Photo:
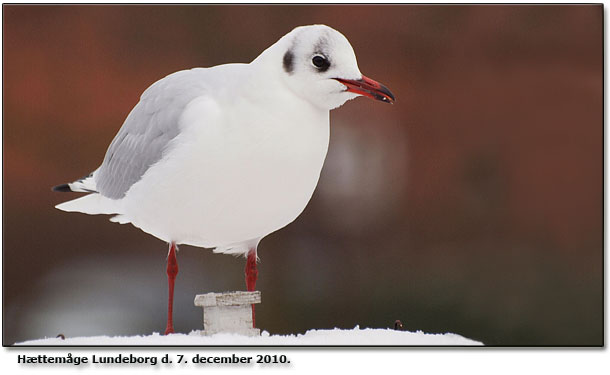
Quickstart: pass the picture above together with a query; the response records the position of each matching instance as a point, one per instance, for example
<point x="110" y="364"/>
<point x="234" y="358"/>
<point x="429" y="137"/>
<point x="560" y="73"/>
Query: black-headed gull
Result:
<point x="220" y="157"/>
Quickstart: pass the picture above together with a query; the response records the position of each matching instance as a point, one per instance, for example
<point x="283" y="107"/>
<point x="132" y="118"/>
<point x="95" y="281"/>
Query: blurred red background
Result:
<point x="473" y="205"/>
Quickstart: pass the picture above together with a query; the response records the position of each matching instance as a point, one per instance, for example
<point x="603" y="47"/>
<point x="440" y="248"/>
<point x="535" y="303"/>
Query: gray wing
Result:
<point x="147" y="131"/>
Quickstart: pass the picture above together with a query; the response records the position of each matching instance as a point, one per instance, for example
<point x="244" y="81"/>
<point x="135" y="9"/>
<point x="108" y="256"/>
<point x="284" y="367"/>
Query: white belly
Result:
<point x="226" y="181"/>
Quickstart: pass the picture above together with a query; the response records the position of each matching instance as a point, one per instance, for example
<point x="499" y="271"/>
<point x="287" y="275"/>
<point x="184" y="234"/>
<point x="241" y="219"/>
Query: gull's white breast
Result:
<point x="242" y="167"/>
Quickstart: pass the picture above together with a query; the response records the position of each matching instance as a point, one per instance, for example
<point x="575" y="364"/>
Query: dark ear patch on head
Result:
<point x="288" y="62"/>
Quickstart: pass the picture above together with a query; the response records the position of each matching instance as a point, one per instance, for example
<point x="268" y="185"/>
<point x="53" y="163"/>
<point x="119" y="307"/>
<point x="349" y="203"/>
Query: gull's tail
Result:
<point x="93" y="203"/>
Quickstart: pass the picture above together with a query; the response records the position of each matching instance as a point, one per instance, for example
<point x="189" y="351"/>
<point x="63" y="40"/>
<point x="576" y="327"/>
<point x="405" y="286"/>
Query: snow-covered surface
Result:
<point x="356" y="336"/>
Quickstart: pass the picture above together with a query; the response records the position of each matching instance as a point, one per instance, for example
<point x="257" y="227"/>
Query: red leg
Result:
<point x="172" y="271"/>
<point x="251" y="276"/>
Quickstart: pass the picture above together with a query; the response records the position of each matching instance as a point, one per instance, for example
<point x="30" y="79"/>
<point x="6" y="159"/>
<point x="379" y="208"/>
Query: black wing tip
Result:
<point x="63" y="188"/>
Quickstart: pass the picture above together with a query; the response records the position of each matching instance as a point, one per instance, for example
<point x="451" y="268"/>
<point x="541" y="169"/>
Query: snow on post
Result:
<point x="229" y="312"/>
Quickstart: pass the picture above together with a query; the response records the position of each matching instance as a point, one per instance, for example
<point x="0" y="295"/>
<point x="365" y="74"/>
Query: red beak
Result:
<point x="368" y="87"/>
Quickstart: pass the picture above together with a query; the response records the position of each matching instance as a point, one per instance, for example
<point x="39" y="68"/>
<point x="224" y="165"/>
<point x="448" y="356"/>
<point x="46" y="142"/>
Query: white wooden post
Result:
<point x="228" y="312"/>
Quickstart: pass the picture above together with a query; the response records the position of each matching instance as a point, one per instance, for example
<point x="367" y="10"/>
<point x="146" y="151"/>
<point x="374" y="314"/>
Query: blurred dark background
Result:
<point x="473" y="205"/>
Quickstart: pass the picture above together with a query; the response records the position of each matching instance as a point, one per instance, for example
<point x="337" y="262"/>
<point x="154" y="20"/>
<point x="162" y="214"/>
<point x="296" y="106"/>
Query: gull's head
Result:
<point x="318" y="64"/>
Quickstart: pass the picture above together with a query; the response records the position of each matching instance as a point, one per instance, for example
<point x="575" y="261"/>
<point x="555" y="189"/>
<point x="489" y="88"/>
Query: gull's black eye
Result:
<point x="320" y="62"/>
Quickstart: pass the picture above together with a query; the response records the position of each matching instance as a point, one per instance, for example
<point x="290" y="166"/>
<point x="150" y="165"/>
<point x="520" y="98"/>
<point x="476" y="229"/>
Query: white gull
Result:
<point x="220" y="157"/>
